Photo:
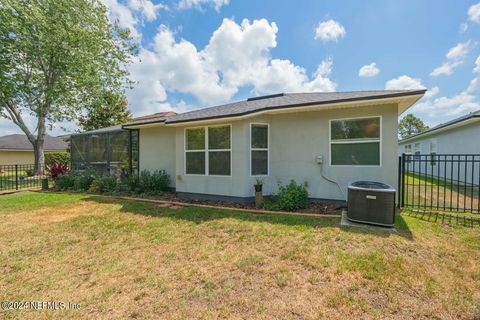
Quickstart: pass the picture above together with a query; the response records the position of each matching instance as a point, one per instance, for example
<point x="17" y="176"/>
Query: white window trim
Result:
<point x="259" y="149"/>
<point x="379" y="140"/>
<point x="206" y="151"/>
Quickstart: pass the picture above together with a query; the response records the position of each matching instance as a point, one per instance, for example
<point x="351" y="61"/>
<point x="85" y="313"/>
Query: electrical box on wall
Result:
<point x="319" y="159"/>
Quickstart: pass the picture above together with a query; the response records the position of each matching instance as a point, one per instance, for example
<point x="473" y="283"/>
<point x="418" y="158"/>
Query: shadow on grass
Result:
<point x="200" y="215"/>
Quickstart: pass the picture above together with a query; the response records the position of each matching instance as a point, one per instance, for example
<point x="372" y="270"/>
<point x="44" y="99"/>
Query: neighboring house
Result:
<point x="312" y="138"/>
<point x="458" y="136"/>
<point x="16" y="149"/>
<point x="454" y="143"/>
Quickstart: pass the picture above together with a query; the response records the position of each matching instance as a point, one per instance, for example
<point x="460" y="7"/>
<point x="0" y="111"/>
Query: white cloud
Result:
<point x="474" y="13"/>
<point x="459" y="104"/>
<point x="130" y="14"/>
<point x="237" y="55"/>
<point x="463" y="27"/>
<point x="431" y="92"/>
<point x="456" y="105"/>
<point x="477" y="65"/>
<point x="459" y="51"/>
<point x="123" y="15"/>
<point x="369" y="70"/>
<point x="147" y="8"/>
<point x="455" y="57"/>
<point x="474" y="85"/>
<point x="329" y="30"/>
<point x="404" y="83"/>
<point x="200" y="4"/>
<point x="446" y="68"/>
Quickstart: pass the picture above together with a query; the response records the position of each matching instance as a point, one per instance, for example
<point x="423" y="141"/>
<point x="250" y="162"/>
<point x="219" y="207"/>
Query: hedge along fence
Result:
<point x="148" y="183"/>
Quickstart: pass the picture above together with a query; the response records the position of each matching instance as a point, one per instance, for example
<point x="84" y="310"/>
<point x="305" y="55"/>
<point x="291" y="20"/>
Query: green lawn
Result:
<point x="128" y="259"/>
<point x="423" y="190"/>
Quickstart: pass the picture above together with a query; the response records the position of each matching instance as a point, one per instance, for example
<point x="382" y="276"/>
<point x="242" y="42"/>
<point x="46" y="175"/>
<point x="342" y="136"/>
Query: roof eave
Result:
<point x="403" y="102"/>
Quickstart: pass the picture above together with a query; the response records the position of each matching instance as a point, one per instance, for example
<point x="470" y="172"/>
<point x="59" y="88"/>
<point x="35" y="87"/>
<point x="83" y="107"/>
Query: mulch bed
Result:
<point x="313" y="207"/>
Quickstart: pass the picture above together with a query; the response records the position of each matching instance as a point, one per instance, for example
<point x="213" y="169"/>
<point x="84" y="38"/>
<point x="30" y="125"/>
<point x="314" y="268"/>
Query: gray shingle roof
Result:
<point x="20" y="142"/>
<point x="475" y="114"/>
<point x="287" y="100"/>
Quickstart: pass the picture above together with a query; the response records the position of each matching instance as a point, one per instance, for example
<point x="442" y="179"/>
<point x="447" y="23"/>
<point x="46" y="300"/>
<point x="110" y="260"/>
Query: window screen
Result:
<point x="355" y="141"/>
<point x="208" y="150"/>
<point x="259" y="149"/>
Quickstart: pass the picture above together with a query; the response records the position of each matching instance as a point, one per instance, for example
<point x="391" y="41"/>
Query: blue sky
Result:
<point x="198" y="53"/>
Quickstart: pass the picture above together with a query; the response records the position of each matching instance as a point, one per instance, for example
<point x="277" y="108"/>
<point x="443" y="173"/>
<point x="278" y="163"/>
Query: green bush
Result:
<point x="30" y="172"/>
<point x="150" y="183"/>
<point x="65" y="182"/>
<point x="57" y="157"/>
<point x="104" y="184"/>
<point x="83" y="181"/>
<point x="289" y="198"/>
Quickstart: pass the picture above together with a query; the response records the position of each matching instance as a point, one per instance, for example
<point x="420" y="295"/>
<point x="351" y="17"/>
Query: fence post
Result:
<point x="16" y="177"/>
<point x="403" y="180"/>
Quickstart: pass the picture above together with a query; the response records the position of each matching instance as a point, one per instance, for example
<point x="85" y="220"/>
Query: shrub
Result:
<point x="289" y="198"/>
<point x="104" y="184"/>
<point x="57" y="157"/>
<point x="57" y="170"/>
<point x="65" y="182"/>
<point x="150" y="183"/>
<point x="83" y="181"/>
<point x="30" y="172"/>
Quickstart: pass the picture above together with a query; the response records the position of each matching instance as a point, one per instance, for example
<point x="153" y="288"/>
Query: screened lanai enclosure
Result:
<point x="111" y="150"/>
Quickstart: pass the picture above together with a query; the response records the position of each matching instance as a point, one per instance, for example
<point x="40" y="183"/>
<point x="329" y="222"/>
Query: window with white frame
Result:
<point x="258" y="149"/>
<point x="355" y="141"/>
<point x="433" y="152"/>
<point x="408" y="149"/>
<point x="208" y="150"/>
<point x="418" y="150"/>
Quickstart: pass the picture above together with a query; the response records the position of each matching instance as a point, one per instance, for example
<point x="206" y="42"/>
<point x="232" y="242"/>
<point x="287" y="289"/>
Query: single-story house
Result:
<point x="322" y="140"/>
<point x="449" y="151"/>
<point x="458" y="136"/>
<point x="16" y="149"/>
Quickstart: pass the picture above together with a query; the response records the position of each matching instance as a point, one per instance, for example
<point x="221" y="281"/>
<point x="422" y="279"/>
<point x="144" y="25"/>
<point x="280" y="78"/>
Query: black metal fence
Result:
<point x="21" y="176"/>
<point x="443" y="182"/>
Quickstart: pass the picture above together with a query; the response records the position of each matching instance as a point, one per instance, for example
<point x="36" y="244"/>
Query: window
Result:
<point x="408" y="149"/>
<point x="417" y="151"/>
<point x="259" y="149"/>
<point x="355" y="141"/>
<point x="433" y="152"/>
<point x="208" y="149"/>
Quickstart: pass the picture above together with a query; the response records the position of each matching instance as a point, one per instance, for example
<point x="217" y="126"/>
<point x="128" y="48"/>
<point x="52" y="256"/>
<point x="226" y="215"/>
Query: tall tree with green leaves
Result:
<point x="56" y="58"/>
<point x="410" y="125"/>
<point x="111" y="110"/>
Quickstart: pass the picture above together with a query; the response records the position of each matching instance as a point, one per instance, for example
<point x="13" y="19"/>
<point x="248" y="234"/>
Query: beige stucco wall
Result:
<point x="16" y="157"/>
<point x="157" y="150"/>
<point x="295" y="141"/>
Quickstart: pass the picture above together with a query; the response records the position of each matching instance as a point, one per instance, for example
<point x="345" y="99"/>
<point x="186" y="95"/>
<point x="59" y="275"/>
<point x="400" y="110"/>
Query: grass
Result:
<point x="423" y="190"/>
<point x="7" y="181"/>
<point x="128" y="259"/>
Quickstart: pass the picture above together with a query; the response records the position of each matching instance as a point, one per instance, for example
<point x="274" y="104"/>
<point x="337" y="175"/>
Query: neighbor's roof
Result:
<point x="447" y="125"/>
<point x="279" y="101"/>
<point x="20" y="142"/>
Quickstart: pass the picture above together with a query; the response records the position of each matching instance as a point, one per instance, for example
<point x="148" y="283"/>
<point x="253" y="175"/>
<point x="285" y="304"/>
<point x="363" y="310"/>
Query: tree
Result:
<point x="109" y="111"/>
<point x="56" y="57"/>
<point x="410" y="125"/>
